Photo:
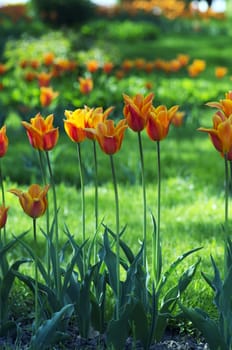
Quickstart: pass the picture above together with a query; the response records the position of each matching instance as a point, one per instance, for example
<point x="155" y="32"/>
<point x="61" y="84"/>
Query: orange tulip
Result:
<point x="33" y="202"/>
<point x="95" y="116"/>
<point x="44" y="78"/>
<point x="47" y="95"/>
<point x="221" y="134"/>
<point x="136" y="110"/>
<point x="3" y="141"/>
<point x="41" y="132"/>
<point x="220" y="72"/>
<point x="3" y="68"/>
<point x="92" y="66"/>
<point x="48" y="58"/>
<point x="158" y="122"/>
<point x="75" y="123"/>
<point x="86" y="85"/>
<point x="224" y="105"/>
<point x="3" y="215"/>
<point x="110" y="136"/>
<point x="178" y="118"/>
<point x="107" y="67"/>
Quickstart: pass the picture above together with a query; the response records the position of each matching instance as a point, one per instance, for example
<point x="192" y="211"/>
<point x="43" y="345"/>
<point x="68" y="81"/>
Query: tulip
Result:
<point x="41" y="133"/>
<point x="159" y="121"/>
<point x="178" y="118"/>
<point x="224" y="105"/>
<point x="48" y="58"/>
<point x="33" y="202"/>
<point x="220" y="72"/>
<point x="47" y="95"/>
<point x="110" y="136"/>
<point x="92" y="66"/>
<point x="3" y="215"/>
<point x="93" y="118"/>
<point x="86" y="85"/>
<point x="3" y="141"/>
<point x="74" y="125"/>
<point x="44" y="78"/>
<point x="107" y="67"/>
<point x="221" y="134"/>
<point x="136" y="110"/>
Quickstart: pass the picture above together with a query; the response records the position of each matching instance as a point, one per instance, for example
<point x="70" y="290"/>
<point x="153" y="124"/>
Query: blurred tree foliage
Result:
<point x="64" y="12"/>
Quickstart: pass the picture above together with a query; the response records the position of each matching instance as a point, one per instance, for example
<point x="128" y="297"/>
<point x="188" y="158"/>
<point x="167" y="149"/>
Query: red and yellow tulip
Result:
<point x="75" y="123"/>
<point x="110" y="136"/>
<point x="136" y="110"/>
<point x="34" y="202"/>
<point x="47" y="95"/>
<point x="41" y="133"/>
<point x="158" y="122"/>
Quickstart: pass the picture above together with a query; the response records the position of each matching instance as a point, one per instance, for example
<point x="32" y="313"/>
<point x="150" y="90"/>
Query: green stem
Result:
<point x="82" y="199"/>
<point x="156" y="254"/>
<point x="36" y="280"/>
<point x="43" y="174"/>
<point x="96" y="192"/>
<point x="3" y="199"/>
<point x="144" y="200"/>
<point x="57" y="267"/>
<point x="117" y="235"/>
<point x="226" y="191"/>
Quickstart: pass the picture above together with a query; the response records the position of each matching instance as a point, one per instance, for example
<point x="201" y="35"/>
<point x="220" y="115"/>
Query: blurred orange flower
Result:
<point x="48" y="58"/>
<point x="41" y="133"/>
<point x="196" y="67"/>
<point x="220" y="72"/>
<point x="159" y="120"/>
<point x="92" y="66"/>
<point x="44" y="78"/>
<point x="3" y="68"/>
<point x="86" y="85"/>
<point x="136" y="110"/>
<point x="30" y="76"/>
<point x="33" y="202"/>
<point x="47" y="95"/>
<point x="178" y="118"/>
<point x="3" y="141"/>
<point x="107" y="67"/>
<point x="3" y="215"/>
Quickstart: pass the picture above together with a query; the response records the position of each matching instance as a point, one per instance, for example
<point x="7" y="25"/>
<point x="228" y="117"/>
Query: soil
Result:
<point x="97" y="342"/>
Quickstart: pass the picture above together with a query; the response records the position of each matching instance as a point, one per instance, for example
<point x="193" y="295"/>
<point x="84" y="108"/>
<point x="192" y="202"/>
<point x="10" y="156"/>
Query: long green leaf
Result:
<point x="10" y="244"/>
<point x="207" y="326"/>
<point x="47" y="332"/>
<point x="173" y="267"/>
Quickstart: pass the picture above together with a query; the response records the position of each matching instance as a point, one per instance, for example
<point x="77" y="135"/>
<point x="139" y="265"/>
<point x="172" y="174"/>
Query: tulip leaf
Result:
<point x="207" y="326"/>
<point x="126" y="249"/>
<point x="110" y="260"/>
<point x="173" y="267"/>
<point x="47" y="333"/>
<point x="10" y="244"/>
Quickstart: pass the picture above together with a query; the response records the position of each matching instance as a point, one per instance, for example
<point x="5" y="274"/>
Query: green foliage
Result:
<point x="120" y="30"/>
<point x="216" y="332"/>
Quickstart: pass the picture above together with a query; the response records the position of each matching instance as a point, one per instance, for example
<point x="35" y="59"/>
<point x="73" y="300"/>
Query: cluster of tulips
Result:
<point x="43" y="76"/>
<point x="73" y="284"/>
